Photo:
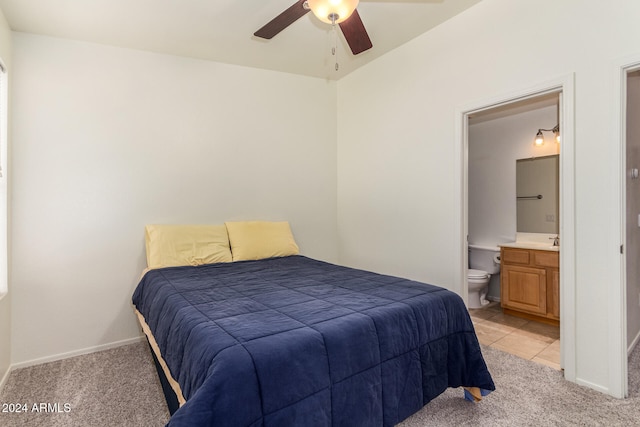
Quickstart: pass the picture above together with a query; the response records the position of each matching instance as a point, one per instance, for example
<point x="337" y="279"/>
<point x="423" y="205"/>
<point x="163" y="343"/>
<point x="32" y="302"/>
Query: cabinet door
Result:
<point x="524" y="288"/>
<point x="554" y="294"/>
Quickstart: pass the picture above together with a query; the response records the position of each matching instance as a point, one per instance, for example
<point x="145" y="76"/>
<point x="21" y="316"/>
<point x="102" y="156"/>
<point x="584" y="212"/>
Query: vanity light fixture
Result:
<point x="539" y="141"/>
<point x="556" y="131"/>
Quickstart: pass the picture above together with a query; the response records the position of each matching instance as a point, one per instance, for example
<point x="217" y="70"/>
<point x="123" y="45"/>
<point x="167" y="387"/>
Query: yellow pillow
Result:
<point x="260" y="239"/>
<point x="176" y="245"/>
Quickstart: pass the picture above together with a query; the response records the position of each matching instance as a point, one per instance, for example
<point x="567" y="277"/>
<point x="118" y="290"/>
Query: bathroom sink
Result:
<point x="539" y="241"/>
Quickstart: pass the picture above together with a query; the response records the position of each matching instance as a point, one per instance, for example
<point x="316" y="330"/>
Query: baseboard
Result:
<point x="492" y="298"/>
<point x="592" y="386"/>
<point x="88" y="350"/>
<point x="633" y="344"/>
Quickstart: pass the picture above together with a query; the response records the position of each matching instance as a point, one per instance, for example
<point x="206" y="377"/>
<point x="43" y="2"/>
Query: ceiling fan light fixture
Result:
<point x="332" y="11"/>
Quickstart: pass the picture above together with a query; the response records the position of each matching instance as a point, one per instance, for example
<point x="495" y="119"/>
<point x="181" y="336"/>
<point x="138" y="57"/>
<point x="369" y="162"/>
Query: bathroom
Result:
<point x="500" y="138"/>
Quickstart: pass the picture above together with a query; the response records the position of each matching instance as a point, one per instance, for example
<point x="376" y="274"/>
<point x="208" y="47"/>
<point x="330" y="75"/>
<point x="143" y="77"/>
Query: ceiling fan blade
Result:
<point x="355" y="34"/>
<point x="282" y="21"/>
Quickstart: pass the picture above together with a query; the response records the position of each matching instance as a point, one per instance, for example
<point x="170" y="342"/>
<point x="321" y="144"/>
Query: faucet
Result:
<point x="556" y="240"/>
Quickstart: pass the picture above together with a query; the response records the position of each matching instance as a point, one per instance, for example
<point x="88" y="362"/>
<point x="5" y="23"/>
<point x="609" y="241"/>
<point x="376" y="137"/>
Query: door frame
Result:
<point x="564" y="86"/>
<point x="618" y="298"/>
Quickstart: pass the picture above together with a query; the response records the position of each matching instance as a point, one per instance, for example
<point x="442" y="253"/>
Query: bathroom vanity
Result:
<point x="530" y="281"/>
<point x="530" y="266"/>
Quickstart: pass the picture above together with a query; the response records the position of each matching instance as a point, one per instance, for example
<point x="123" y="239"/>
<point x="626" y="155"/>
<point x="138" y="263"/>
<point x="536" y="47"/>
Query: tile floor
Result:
<point x="528" y="339"/>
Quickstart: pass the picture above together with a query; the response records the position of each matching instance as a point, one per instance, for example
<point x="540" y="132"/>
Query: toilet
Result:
<point x="483" y="262"/>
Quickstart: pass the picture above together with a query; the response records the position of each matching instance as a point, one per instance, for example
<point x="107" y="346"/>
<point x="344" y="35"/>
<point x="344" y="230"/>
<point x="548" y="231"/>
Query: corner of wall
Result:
<point x="5" y="300"/>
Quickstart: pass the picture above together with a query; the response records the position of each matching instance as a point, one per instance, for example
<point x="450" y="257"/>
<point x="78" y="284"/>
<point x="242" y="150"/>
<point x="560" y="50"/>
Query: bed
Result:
<point x="289" y="340"/>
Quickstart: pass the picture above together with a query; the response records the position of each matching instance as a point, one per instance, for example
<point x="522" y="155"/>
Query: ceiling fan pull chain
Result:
<point x="334" y="49"/>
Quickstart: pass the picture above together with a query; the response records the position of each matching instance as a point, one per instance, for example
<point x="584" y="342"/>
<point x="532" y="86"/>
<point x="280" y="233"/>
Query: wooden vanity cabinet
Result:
<point x="530" y="284"/>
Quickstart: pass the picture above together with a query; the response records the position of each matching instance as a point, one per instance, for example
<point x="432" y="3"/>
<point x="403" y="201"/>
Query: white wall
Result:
<point x="5" y="301"/>
<point x="397" y="203"/>
<point x="107" y="140"/>
<point x="494" y="147"/>
<point x="633" y="209"/>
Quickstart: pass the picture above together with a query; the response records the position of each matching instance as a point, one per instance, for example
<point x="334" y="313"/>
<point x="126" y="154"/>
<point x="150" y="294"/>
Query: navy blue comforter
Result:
<point x="295" y="341"/>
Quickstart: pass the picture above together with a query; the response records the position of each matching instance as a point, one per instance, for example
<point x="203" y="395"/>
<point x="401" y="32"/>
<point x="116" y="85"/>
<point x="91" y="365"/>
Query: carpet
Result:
<point x="119" y="387"/>
<point x="530" y="394"/>
<point x="116" y="387"/>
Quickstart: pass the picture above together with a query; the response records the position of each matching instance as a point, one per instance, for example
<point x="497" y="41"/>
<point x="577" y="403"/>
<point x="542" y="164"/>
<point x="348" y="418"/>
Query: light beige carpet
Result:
<point x="530" y="394"/>
<point x="119" y="387"/>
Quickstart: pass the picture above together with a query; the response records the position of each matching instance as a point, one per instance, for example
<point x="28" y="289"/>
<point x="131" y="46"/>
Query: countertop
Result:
<point x="531" y="245"/>
<point x="537" y="241"/>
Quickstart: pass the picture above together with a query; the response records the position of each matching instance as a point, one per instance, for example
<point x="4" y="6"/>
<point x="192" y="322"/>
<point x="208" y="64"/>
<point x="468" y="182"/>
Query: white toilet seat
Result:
<point x="477" y="274"/>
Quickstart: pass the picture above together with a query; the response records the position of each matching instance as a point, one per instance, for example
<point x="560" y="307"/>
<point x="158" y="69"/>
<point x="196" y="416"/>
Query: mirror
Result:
<point x="537" y="194"/>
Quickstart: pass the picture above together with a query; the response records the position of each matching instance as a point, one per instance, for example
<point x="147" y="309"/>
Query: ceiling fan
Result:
<point x="341" y="12"/>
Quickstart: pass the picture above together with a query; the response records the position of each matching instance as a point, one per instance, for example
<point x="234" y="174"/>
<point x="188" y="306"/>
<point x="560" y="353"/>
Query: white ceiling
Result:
<point x="222" y="30"/>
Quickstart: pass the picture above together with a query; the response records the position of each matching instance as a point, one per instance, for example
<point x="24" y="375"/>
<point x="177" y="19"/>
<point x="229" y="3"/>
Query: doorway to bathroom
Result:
<point x="494" y="136"/>
<point x="513" y="196"/>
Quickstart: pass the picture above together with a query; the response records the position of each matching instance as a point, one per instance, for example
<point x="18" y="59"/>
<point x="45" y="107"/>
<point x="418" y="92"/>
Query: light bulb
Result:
<point x="332" y="11"/>
<point x="539" y="138"/>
